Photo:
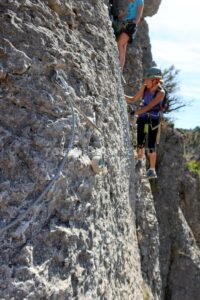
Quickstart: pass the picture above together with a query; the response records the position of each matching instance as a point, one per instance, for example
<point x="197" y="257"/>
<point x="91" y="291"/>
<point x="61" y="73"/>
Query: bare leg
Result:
<point x="152" y="160"/>
<point x="122" y="44"/>
<point x="140" y="153"/>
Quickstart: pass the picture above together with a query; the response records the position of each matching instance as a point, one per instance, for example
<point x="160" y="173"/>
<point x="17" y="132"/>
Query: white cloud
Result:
<point x="191" y="92"/>
<point x="177" y="15"/>
<point x="170" y="50"/>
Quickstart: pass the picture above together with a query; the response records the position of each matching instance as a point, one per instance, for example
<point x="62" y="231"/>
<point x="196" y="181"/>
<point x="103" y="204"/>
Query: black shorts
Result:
<point x="130" y="29"/>
<point x="147" y="129"/>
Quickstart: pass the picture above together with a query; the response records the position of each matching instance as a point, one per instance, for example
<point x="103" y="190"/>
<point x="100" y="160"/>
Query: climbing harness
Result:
<point x="148" y="125"/>
<point x="159" y="133"/>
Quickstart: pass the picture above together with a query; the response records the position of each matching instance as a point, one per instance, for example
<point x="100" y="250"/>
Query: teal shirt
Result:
<point x="132" y="10"/>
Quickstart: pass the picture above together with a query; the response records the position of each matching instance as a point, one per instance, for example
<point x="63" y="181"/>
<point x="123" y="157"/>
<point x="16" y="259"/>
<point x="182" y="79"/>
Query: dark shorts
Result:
<point x="147" y="130"/>
<point x="129" y="28"/>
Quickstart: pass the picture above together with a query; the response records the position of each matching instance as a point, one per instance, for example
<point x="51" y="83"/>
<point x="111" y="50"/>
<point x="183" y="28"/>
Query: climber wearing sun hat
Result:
<point x="148" y="120"/>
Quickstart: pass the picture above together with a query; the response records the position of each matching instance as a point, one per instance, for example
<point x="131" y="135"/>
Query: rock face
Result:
<point x="151" y="7"/>
<point x="189" y="195"/>
<point x="76" y="221"/>
<point x="190" y="202"/>
<point x="179" y="252"/>
<point x="168" y="224"/>
<point x="66" y="231"/>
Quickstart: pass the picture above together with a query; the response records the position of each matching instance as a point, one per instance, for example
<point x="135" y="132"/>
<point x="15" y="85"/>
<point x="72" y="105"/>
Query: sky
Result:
<point x="175" y="40"/>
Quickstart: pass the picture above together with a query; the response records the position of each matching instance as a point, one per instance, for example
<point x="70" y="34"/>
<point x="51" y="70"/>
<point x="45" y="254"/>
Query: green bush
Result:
<point x="194" y="166"/>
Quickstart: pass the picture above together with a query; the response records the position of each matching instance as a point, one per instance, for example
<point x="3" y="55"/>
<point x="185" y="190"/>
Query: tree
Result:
<point x="171" y="85"/>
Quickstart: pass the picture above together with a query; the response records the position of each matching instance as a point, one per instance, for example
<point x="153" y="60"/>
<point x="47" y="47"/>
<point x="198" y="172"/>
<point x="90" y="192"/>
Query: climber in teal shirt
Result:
<point x="129" y="19"/>
<point x="132" y="10"/>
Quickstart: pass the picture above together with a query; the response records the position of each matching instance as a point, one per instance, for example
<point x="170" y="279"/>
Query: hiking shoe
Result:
<point x="151" y="174"/>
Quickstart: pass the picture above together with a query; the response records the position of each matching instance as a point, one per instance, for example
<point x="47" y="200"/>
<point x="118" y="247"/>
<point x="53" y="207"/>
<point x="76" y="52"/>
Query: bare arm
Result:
<point x="139" y="15"/>
<point x="153" y="103"/>
<point x="138" y="95"/>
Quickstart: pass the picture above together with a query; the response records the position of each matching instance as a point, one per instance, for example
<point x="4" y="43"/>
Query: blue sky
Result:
<point x="175" y="40"/>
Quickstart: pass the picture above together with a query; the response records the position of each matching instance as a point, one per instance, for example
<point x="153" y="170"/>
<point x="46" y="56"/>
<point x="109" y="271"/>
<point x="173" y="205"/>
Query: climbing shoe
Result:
<point x="151" y="174"/>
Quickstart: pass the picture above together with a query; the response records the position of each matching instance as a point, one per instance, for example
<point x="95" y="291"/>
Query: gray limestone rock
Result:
<point x="67" y="232"/>
<point x="179" y="252"/>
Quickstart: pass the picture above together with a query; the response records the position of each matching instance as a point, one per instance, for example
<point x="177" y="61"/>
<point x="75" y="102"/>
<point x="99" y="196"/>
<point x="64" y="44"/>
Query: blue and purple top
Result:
<point x="155" y="111"/>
